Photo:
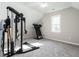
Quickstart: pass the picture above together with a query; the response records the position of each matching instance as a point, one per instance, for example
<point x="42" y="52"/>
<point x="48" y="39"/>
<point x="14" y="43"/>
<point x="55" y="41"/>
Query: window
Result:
<point x="55" y="23"/>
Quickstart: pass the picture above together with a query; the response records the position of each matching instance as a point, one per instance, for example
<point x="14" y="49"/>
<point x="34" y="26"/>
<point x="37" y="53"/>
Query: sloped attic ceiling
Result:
<point x="75" y="5"/>
<point x="35" y="6"/>
<point x="51" y="6"/>
<point x="29" y="13"/>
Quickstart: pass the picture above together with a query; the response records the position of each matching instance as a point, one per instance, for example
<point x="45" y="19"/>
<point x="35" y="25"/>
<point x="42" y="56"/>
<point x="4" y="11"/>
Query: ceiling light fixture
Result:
<point x="43" y="5"/>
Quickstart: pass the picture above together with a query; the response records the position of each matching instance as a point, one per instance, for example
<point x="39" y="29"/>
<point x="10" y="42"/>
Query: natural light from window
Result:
<point x="56" y="23"/>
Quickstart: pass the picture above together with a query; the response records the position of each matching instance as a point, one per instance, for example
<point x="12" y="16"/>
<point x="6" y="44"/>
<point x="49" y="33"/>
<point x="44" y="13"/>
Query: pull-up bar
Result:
<point x="13" y="10"/>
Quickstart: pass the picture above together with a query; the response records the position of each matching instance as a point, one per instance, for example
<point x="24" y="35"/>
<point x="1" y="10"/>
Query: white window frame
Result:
<point x="55" y="19"/>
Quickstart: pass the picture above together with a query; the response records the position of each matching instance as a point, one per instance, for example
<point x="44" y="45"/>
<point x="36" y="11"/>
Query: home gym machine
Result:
<point x="38" y="31"/>
<point x="10" y="34"/>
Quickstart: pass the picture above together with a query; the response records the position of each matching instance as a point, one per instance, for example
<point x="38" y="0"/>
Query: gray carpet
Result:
<point x="50" y="48"/>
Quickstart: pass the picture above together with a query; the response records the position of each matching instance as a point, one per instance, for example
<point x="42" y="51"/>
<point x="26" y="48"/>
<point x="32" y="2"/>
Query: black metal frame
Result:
<point x="19" y="18"/>
<point x="38" y="31"/>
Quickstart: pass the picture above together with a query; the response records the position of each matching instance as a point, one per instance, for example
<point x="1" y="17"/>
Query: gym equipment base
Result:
<point x="26" y="48"/>
<point x="38" y="38"/>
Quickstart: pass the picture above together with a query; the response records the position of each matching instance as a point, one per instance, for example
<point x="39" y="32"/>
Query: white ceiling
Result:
<point x="52" y="6"/>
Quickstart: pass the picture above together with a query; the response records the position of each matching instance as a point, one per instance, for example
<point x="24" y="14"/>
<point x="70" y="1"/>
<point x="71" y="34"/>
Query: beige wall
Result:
<point x="69" y="26"/>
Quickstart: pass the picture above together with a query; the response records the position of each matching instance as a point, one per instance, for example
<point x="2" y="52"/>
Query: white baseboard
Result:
<point x="76" y="44"/>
